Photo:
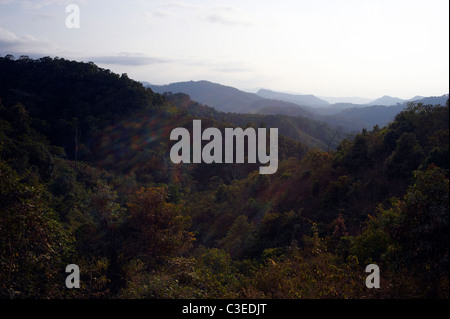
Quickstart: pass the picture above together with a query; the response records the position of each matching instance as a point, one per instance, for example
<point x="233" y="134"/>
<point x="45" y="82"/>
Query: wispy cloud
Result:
<point x="10" y="43"/>
<point x="159" y="13"/>
<point x="127" y="59"/>
<point x="38" y="4"/>
<point x="47" y="16"/>
<point x="226" y="15"/>
<point x="27" y="44"/>
<point x="170" y="6"/>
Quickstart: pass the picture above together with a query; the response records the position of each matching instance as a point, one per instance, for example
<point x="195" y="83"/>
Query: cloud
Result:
<point x="127" y="59"/>
<point x="27" y="44"/>
<point x="10" y="43"/>
<point x="7" y="36"/>
<point x="184" y="5"/>
<point x="38" y="4"/>
<point x="160" y="13"/>
<point x="47" y="16"/>
<point x="171" y="6"/>
<point x="170" y="9"/>
<point x="226" y="15"/>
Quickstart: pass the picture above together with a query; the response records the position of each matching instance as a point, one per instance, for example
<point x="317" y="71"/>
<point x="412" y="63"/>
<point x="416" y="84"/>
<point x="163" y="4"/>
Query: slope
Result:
<point x="300" y="99"/>
<point x="223" y="98"/>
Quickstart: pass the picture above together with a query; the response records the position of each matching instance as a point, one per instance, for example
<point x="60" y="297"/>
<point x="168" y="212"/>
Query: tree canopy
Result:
<point x="86" y="179"/>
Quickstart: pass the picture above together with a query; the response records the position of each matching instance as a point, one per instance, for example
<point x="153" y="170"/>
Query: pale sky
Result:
<point x="366" y="48"/>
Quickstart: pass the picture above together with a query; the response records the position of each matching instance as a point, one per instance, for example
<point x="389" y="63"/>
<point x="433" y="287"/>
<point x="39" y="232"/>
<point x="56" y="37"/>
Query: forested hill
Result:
<point x="223" y="98"/>
<point x="69" y="95"/>
<point x="310" y="132"/>
<point x="86" y="179"/>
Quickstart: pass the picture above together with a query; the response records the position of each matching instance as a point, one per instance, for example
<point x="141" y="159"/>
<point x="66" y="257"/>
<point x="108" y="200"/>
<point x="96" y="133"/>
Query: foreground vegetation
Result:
<point x="86" y="179"/>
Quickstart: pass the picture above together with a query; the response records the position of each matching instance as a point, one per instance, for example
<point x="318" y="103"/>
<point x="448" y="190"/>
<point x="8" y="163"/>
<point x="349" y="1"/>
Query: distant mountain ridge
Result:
<point x="350" y="116"/>
<point x="223" y="98"/>
<point x="300" y="99"/>
<point x="348" y="99"/>
<point x="433" y="100"/>
<point x="389" y="100"/>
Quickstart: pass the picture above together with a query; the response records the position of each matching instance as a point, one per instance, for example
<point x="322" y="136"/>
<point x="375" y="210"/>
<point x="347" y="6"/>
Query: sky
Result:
<point x="334" y="48"/>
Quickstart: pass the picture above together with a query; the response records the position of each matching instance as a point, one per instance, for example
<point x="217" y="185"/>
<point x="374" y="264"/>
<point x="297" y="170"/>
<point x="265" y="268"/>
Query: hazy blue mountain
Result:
<point x="433" y="100"/>
<point x="221" y="97"/>
<point x="300" y="99"/>
<point x="417" y="97"/>
<point x="356" y="100"/>
<point x="357" y="118"/>
<point x="350" y="116"/>
<point x="354" y="117"/>
<point x="225" y="98"/>
<point x="387" y="100"/>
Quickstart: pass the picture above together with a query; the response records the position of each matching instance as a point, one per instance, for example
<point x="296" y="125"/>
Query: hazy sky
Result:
<point x="365" y="48"/>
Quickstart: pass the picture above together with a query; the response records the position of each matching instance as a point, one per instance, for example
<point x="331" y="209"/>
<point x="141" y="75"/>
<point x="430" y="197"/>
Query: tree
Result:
<point x="407" y="156"/>
<point x="34" y="246"/>
<point x="422" y="232"/>
<point x="157" y="229"/>
<point x="412" y="236"/>
<point x="239" y="238"/>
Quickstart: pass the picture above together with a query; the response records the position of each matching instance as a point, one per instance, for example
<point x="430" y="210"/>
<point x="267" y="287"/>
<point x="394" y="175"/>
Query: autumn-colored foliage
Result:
<point x="86" y="179"/>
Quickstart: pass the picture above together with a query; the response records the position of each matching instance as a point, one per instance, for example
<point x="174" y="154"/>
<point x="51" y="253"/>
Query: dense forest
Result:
<point x="86" y="179"/>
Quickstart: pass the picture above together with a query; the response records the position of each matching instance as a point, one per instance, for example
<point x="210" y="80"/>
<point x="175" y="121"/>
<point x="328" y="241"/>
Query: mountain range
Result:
<point x="351" y="116"/>
<point x="300" y="99"/>
<point x="222" y="98"/>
